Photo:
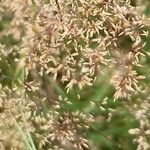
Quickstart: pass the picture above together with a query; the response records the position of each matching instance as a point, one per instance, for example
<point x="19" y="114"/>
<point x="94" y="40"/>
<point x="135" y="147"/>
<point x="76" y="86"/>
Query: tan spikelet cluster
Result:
<point x="59" y="46"/>
<point x="10" y="116"/>
<point x="142" y="132"/>
<point x="73" y="40"/>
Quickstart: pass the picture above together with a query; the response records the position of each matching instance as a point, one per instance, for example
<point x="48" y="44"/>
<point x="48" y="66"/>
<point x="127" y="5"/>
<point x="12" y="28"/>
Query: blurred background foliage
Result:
<point x="106" y="134"/>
